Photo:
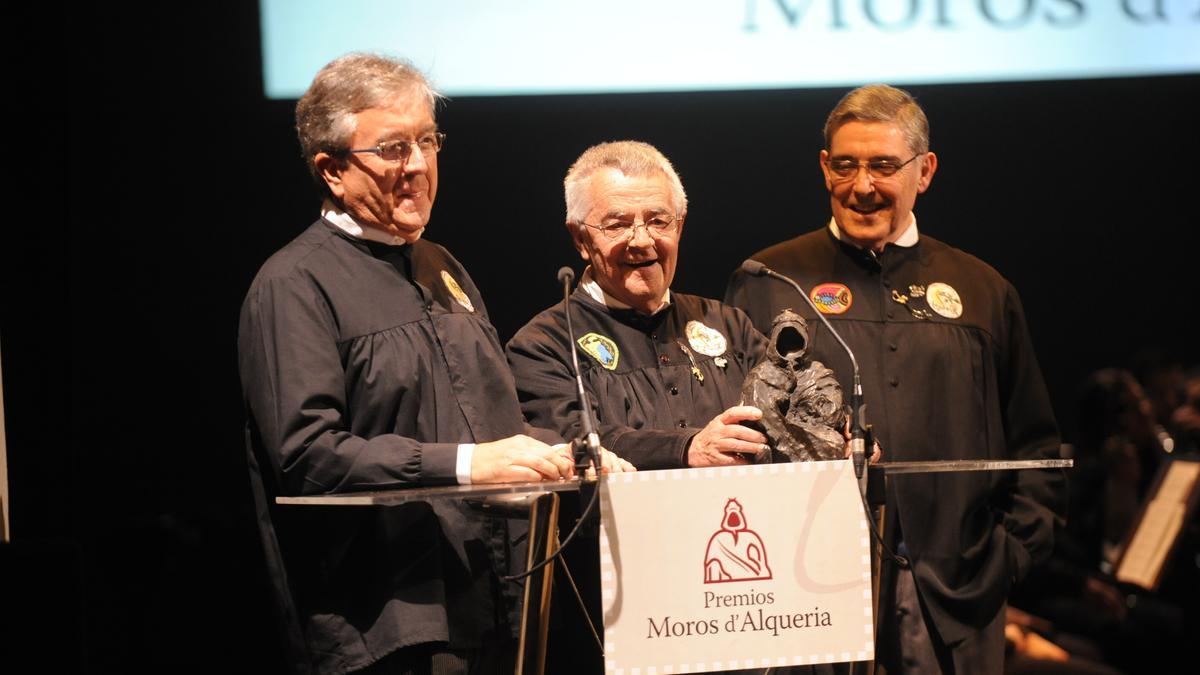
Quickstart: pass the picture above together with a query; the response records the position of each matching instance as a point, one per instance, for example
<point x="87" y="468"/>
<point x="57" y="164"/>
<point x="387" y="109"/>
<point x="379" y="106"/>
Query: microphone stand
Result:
<point x="586" y="447"/>
<point x="860" y="434"/>
<point x="860" y="431"/>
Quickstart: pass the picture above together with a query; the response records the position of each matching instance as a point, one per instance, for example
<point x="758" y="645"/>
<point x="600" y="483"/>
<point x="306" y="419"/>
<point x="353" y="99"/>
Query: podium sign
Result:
<point x="738" y="567"/>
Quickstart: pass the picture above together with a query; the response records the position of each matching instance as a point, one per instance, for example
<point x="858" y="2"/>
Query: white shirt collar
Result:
<point x="906" y="240"/>
<point x="346" y="223"/>
<point x="588" y="283"/>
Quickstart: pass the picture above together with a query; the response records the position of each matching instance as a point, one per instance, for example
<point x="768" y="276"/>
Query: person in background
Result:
<point x="1117" y="455"/>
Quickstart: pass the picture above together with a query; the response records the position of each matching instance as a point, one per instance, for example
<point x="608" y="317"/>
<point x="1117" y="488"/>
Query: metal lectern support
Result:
<point x="537" y="501"/>
<point x="535" y="611"/>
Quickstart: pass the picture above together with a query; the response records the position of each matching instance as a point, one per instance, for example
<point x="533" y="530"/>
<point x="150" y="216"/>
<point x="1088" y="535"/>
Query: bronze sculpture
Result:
<point x="803" y="416"/>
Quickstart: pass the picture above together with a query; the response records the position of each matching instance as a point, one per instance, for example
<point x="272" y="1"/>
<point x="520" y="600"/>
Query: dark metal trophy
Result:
<point x="803" y="416"/>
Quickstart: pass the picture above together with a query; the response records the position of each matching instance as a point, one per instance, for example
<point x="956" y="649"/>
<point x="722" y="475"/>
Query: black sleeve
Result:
<point x="293" y="382"/>
<point x="540" y="363"/>
<point x="1036" y="504"/>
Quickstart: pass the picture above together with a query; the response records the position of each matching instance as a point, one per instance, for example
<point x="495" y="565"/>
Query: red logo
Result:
<point x="735" y="552"/>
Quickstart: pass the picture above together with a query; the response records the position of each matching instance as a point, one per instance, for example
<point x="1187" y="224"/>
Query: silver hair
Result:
<point x="882" y="103"/>
<point x="325" y="114"/>
<point x="632" y="158"/>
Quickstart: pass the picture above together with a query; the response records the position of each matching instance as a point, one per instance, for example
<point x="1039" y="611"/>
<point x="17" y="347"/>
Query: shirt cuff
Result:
<point x="462" y="467"/>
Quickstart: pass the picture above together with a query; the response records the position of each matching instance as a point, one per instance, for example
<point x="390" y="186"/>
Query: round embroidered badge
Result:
<point x="602" y="349"/>
<point x="456" y="291"/>
<point x="707" y="341"/>
<point x="832" y="298"/>
<point x="944" y="300"/>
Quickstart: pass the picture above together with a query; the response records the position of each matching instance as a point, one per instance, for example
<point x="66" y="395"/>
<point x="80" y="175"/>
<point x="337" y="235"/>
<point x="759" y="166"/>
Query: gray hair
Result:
<point x="882" y="103"/>
<point x="632" y="158"/>
<point x="346" y="86"/>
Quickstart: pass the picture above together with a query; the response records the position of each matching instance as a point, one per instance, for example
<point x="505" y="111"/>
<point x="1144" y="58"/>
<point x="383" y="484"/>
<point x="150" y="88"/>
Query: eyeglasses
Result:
<point x="617" y="230"/>
<point x="877" y="169"/>
<point x="400" y="151"/>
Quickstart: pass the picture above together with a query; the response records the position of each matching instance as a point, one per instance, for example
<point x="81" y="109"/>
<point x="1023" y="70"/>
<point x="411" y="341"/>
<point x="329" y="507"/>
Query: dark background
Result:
<point x="157" y="179"/>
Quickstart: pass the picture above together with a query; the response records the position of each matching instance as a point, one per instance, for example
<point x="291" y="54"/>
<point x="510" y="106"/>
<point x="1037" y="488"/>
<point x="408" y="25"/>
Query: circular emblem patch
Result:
<point x="602" y="349"/>
<point x="707" y="341"/>
<point x="943" y="299"/>
<point x="832" y="298"/>
<point x="456" y="291"/>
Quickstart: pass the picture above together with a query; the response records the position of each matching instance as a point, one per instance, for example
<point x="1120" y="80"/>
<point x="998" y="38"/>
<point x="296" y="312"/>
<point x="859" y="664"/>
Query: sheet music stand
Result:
<point x="1156" y="533"/>
<point x="537" y="501"/>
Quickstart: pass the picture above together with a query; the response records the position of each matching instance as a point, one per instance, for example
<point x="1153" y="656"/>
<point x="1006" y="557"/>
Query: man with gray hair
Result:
<point x="664" y="369"/>
<point x="948" y="372"/>
<point x="368" y="363"/>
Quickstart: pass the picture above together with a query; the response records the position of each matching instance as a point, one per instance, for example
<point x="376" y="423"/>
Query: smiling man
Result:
<point x="948" y="372"/>
<point x="664" y="369"/>
<point x="368" y="363"/>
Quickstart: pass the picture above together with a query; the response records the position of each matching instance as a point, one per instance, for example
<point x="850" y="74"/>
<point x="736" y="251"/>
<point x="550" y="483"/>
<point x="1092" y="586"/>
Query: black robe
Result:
<point x="936" y="388"/>
<point x="363" y="367"/>
<point x="650" y="403"/>
<point x="648" y="406"/>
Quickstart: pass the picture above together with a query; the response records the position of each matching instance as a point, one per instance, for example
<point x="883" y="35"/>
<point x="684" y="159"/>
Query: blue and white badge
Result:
<point x="603" y="349"/>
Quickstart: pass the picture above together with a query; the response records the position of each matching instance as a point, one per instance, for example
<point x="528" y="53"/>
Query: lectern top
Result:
<point x="403" y="496"/>
<point x="939" y="466"/>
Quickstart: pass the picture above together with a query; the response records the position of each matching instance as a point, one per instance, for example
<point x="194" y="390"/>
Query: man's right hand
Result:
<point x="519" y="458"/>
<point x="725" y="442"/>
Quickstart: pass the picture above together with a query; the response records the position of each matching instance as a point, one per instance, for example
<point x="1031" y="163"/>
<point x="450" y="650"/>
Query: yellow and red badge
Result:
<point x="832" y="298"/>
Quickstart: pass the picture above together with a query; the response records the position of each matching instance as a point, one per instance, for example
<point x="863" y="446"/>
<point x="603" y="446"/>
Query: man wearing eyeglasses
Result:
<point x="664" y="369"/>
<point x="948" y="372"/>
<point x="368" y="363"/>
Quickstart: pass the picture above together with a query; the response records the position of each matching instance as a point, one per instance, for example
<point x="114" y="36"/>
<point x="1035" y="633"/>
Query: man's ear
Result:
<point x="579" y="238"/>
<point x="330" y="169"/>
<point x="928" y="167"/>
<point x="825" y="170"/>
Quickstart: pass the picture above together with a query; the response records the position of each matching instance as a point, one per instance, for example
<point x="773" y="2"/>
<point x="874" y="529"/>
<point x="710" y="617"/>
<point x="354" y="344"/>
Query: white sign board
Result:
<point x="481" y="47"/>
<point x="739" y="567"/>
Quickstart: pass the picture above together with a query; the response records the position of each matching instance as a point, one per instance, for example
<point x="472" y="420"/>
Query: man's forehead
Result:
<point x="616" y="192"/>
<point x="400" y="115"/>
<point x="857" y="136"/>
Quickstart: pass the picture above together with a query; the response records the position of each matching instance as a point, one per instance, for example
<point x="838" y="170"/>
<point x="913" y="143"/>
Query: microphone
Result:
<point x="858" y="408"/>
<point x="587" y="448"/>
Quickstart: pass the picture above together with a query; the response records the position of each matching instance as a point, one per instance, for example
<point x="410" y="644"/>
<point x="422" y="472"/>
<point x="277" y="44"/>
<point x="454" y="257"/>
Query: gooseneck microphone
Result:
<point x="585" y="450"/>
<point x="858" y="408"/>
<point x="588" y="447"/>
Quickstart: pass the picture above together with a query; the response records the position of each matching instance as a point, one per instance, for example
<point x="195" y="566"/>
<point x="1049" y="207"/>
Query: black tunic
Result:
<point x="936" y="388"/>
<point x="650" y="403"/>
<point x="363" y="367"/>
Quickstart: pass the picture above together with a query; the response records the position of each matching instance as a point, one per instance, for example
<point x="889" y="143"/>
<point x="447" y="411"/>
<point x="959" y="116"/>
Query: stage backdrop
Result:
<point x="161" y="176"/>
